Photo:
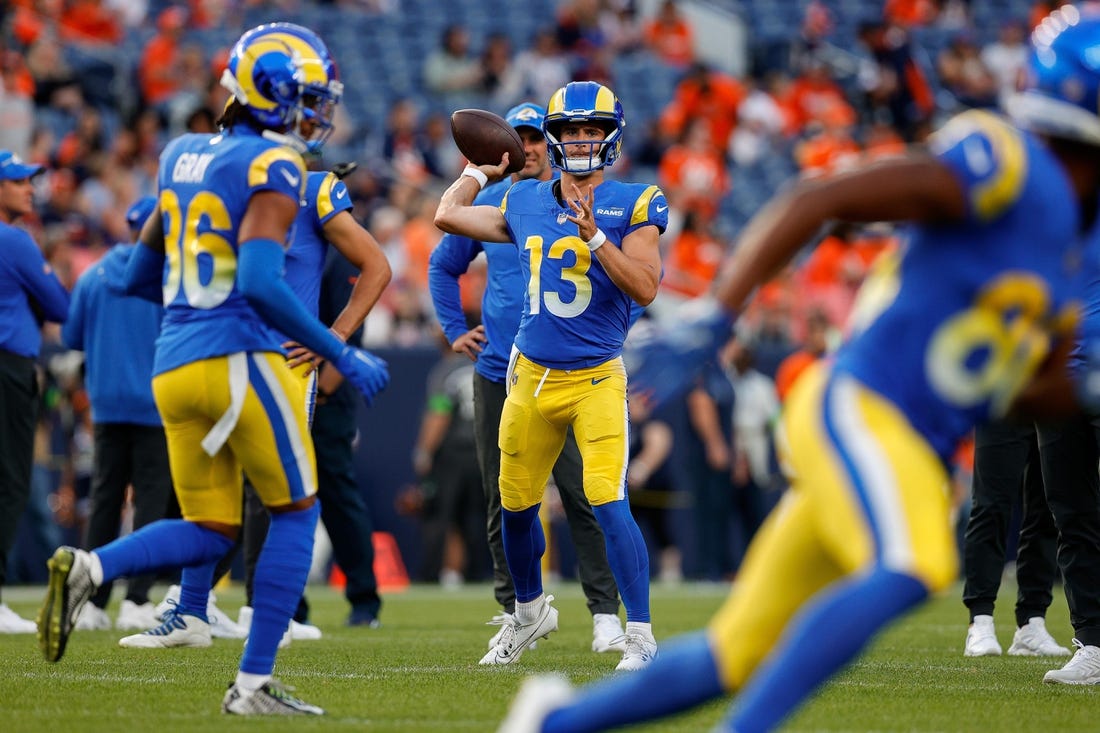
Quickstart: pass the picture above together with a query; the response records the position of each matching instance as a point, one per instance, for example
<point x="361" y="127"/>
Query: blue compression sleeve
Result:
<point x="851" y="613"/>
<point x="144" y="274"/>
<point x="627" y="555"/>
<point x="260" y="278"/>
<point x="281" y="574"/>
<point x="524" y="545"/>
<point x="683" y="676"/>
<point x="164" y="544"/>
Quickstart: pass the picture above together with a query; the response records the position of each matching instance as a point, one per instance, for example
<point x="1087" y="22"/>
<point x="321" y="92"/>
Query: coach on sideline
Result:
<point x="30" y="294"/>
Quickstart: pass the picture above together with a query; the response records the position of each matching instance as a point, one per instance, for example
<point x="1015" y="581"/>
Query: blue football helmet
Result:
<point x="1062" y="94"/>
<point x="584" y="101"/>
<point x="283" y="74"/>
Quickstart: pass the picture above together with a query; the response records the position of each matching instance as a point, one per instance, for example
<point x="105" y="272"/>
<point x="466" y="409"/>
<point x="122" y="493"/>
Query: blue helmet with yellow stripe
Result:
<point x="584" y="101"/>
<point x="1062" y="94"/>
<point x="282" y="74"/>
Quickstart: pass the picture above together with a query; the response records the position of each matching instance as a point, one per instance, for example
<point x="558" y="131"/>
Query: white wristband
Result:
<point x="477" y="175"/>
<point x="597" y="240"/>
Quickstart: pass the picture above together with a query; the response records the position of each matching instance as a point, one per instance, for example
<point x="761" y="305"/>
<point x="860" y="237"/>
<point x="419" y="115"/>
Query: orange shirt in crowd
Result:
<point x="88" y="21"/>
<point x="692" y="263"/>
<point x="790" y="369"/>
<point x="694" y="179"/>
<point x="909" y="13"/>
<point x="672" y="42"/>
<point x="718" y="105"/>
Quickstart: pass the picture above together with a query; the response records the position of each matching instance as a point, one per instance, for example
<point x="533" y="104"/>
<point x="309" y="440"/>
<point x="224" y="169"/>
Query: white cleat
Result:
<point x="177" y="630"/>
<point x="515" y="638"/>
<point x="12" y="623"/>
<point x="93" y="618"/>
<point x="221" y="625"/>
<point x="502" y="619"/>
<point x="244" y="620"/>
<point x="607" y="633"/>
<point x="135" y="616"/>
<point x="1033" y="640"/>
<point x="536" y="699"/>
<point x="1082" y="669"/>
<point x="981" y="638"/>
<point x="640" y="652"/>
<point x="304" y="632"/>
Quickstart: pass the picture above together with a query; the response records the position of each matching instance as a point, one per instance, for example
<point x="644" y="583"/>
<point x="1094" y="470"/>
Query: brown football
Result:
<point x="484" y="137"/>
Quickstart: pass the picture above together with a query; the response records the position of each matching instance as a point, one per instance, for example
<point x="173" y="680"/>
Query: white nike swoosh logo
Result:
<point x="292" y="179"/>
<point x="661" y="208"/>
<point x="341" y="192"/>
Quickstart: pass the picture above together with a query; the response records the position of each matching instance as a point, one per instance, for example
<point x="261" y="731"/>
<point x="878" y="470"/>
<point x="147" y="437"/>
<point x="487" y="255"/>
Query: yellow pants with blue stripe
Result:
<point x="270" y="440"/>
<point x="867" y="491"/>
<point x="542" y="404"/>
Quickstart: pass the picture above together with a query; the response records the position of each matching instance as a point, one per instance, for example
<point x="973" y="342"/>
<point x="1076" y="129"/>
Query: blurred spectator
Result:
<point x="708" y="463"/>
<point x="909" y="13"/>
<point x="159" y="73"/>
<point x="90" y="21"/>
<point x="829" y="146"/>
<point x="693" y="259"/>
<point x="451" y="73"/>
<point x="1006" y="58"/>
<point x="693" y="172"/>
<point x="621" y="28"/>
<point x="813" y="96"/>
<point x="55" y="84"/>
<point x="900" y="88"/>
<point x="669" y="35"/>
<point x="578" y="27"/>
<point x="445" y="460"/>
<point x="708" y="94"/>
<point x="964" y="74"/>
<point x="651" y="486"/>
<point x="814" y="347"/>
<point x="420" y="236"/>
<point x="16" y="104"/>
<point x="541" y="69"/>
<point x="760" y="124"/>
<point x="499" y="81"/>
<point x="404" y="146"/>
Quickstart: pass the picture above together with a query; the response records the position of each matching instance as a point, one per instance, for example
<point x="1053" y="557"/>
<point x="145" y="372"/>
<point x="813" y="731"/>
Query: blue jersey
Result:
<point x="952" y="341"/>
<point x="574" y="316"/>
<point x="206" y="182"/>
<point x="29" y="293"/>
<point x="325" y="197"/>
<point x="502" y="302"/>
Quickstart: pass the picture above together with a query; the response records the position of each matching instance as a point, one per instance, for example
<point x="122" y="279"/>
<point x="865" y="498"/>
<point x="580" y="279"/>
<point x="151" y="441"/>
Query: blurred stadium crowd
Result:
<point x="92" y="89"/>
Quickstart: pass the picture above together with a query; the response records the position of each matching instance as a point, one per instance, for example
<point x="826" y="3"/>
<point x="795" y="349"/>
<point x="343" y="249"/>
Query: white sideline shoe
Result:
<point x="135" y="616"/>
<point x="273" y="698"/>
<point x="93" y="618"/>
<point x="1033" y="640"/>
<point x="1083" y="669"/>
<point x="12" y="623"/>
<point x="244" y="621"/>
<point x="640" y="652"/>
<point x="177" y="630"/>
<point x="981" y="638"/>
<point x="516" y="637"/>
<point x="536" y="699"/>
<point x="221" y="625"/>
<point x="607" y="633"/>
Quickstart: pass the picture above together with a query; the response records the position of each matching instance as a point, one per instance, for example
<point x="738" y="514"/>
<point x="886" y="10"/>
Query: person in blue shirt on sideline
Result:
<point x="489" y="344"/>
<point x="118" y="334"/>
<point x="30" y="294"/>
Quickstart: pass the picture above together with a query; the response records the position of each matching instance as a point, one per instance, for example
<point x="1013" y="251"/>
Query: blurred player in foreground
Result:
<point x="214" y="251"/>
<point x="973" y="318"/>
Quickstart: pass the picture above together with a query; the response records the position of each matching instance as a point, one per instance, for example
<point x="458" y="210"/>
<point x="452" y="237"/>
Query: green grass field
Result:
<point x="419" y="673"/>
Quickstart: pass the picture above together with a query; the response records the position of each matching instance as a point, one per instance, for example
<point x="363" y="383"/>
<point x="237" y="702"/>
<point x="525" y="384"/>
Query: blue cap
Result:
<point x="526" y="115"/>
<point x="137" y="214"/>
<point x="12" y="167"/>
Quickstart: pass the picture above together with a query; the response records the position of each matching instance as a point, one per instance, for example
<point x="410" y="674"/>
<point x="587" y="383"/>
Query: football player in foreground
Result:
<point x="973" y="318"/>
<point x="214" y="251"/>
<point x="588" y="251"/>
